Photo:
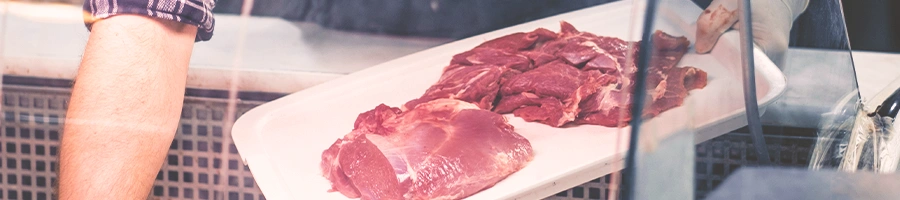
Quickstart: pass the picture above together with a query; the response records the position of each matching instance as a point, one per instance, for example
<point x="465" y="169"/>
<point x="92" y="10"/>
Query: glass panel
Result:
<point x="674" y="78"/>
<point x="806" y="92"/>
<point x="854" y="135"/>
<point x="833" y="109"/>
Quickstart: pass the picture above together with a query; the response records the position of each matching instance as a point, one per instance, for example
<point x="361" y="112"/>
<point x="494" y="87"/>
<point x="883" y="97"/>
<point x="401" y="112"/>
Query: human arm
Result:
<point x="124" y="107"/>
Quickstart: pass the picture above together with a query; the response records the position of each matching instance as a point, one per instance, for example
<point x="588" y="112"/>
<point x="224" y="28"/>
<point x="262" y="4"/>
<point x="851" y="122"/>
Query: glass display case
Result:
<point x="479" y="100"/>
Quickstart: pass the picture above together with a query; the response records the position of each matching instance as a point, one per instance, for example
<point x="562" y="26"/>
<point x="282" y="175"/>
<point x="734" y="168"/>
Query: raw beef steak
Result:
<point x="666" y="89"/>
<point x="549" y="94"/>
<point x="475" y="76"/>
<point x="441" y="149"/>
<point x="476" y="84"/>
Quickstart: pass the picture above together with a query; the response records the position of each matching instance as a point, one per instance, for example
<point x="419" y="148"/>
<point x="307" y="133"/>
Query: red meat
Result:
<point x="442" y="149"/>
<point x="549" y="94"/>
<point x="475" y="84"/>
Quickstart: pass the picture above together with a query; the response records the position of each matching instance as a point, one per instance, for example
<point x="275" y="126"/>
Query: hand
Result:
<point x="772" y="21"/>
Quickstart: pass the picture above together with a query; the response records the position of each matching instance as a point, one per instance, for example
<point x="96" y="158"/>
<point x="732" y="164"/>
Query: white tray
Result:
<point x="282" y="141"/>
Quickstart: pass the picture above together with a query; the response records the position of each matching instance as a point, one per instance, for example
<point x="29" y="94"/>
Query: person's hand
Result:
<point x="772" y="21"/>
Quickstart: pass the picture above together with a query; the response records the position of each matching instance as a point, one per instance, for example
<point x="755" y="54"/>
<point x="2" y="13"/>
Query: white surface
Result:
<point x="876" y="72"/>
<point x="282" y="141"/>
<point x="877" y="75"/>
<point x="47" y="40"/>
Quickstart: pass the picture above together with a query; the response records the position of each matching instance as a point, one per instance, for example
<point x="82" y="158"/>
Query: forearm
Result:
<point x="124" y="107"/>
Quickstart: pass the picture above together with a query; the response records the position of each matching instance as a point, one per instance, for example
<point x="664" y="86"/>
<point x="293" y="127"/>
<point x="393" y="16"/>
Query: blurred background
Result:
<point x="295" y="44"/>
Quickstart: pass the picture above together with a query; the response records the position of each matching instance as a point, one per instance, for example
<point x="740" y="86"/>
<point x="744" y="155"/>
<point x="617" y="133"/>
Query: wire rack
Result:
<point x="32" y="126"/>
<point x="715" y="160"/>
<point x="31" y="131"/>
<point x="30" y="142"/>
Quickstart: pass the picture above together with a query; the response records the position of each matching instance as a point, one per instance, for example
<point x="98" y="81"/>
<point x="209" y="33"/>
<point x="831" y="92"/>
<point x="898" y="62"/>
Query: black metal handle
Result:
<point x="891" y="106"/>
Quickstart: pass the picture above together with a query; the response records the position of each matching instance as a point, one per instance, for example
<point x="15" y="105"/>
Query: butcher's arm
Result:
<point x="124" y="107"/>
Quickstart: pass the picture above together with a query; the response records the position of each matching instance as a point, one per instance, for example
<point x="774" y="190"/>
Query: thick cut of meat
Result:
<point x="441" y="149"/>
<point x="476" y="84"/>
<point x="549" y="94"/>
<point x="357" y="169"/>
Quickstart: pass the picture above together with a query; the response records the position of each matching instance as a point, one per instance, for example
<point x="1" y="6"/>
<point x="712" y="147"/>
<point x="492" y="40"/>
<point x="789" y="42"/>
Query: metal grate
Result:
<point x="192" y="167"/>
<point x="715" y="160"/>
<point x="29" y="143"/>
<point x="33" y="117"/>
<point x="32" y="123"/>
<point x="595" y="189"/>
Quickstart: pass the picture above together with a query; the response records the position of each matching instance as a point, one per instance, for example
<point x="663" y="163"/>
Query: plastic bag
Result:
<point x="865" y="142"/>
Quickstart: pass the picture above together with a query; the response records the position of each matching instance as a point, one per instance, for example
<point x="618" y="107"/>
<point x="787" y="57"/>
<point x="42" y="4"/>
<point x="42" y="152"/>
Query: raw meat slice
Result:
<point x="441" y="149"/>
<point x="608" y="55"/>
<point x="475" y="75"/>
<point x="613" y="103"/>
<point x="533" y="108"/>
<point x="539" y="58"/>
<point x="370" y="168"/>
<point x="666" y="90"/>
<point x="611" y="106"/>
<point x="549" y="94"/>
<point x="678" y="82"/>
<point x="582" y="48"/>
<point x="668" y="50"/>
<point x="605" y="63"/>
<point x="358" y="169"/>
<point x="555" y="79"/>
<point x="607" y="107"/>
<point x="613" y="45"/>
<point x="519" y="41"/>
<point x="476" y="84"/>
<point x="489" y="56"/>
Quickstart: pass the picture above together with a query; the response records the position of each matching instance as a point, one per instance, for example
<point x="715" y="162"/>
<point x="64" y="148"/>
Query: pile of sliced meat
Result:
<point x="570" y="77"/>
<point x="453" y="142"/>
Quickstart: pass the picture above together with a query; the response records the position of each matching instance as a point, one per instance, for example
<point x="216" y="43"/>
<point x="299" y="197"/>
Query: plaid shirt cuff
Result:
<point x="193" y="12"/>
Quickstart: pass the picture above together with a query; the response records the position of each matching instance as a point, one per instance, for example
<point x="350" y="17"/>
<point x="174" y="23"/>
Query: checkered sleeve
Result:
<point x="193" y="12"/>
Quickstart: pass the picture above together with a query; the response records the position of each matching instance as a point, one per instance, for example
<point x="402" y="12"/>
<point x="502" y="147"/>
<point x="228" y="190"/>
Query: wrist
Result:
<point x="796" y="7"/>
